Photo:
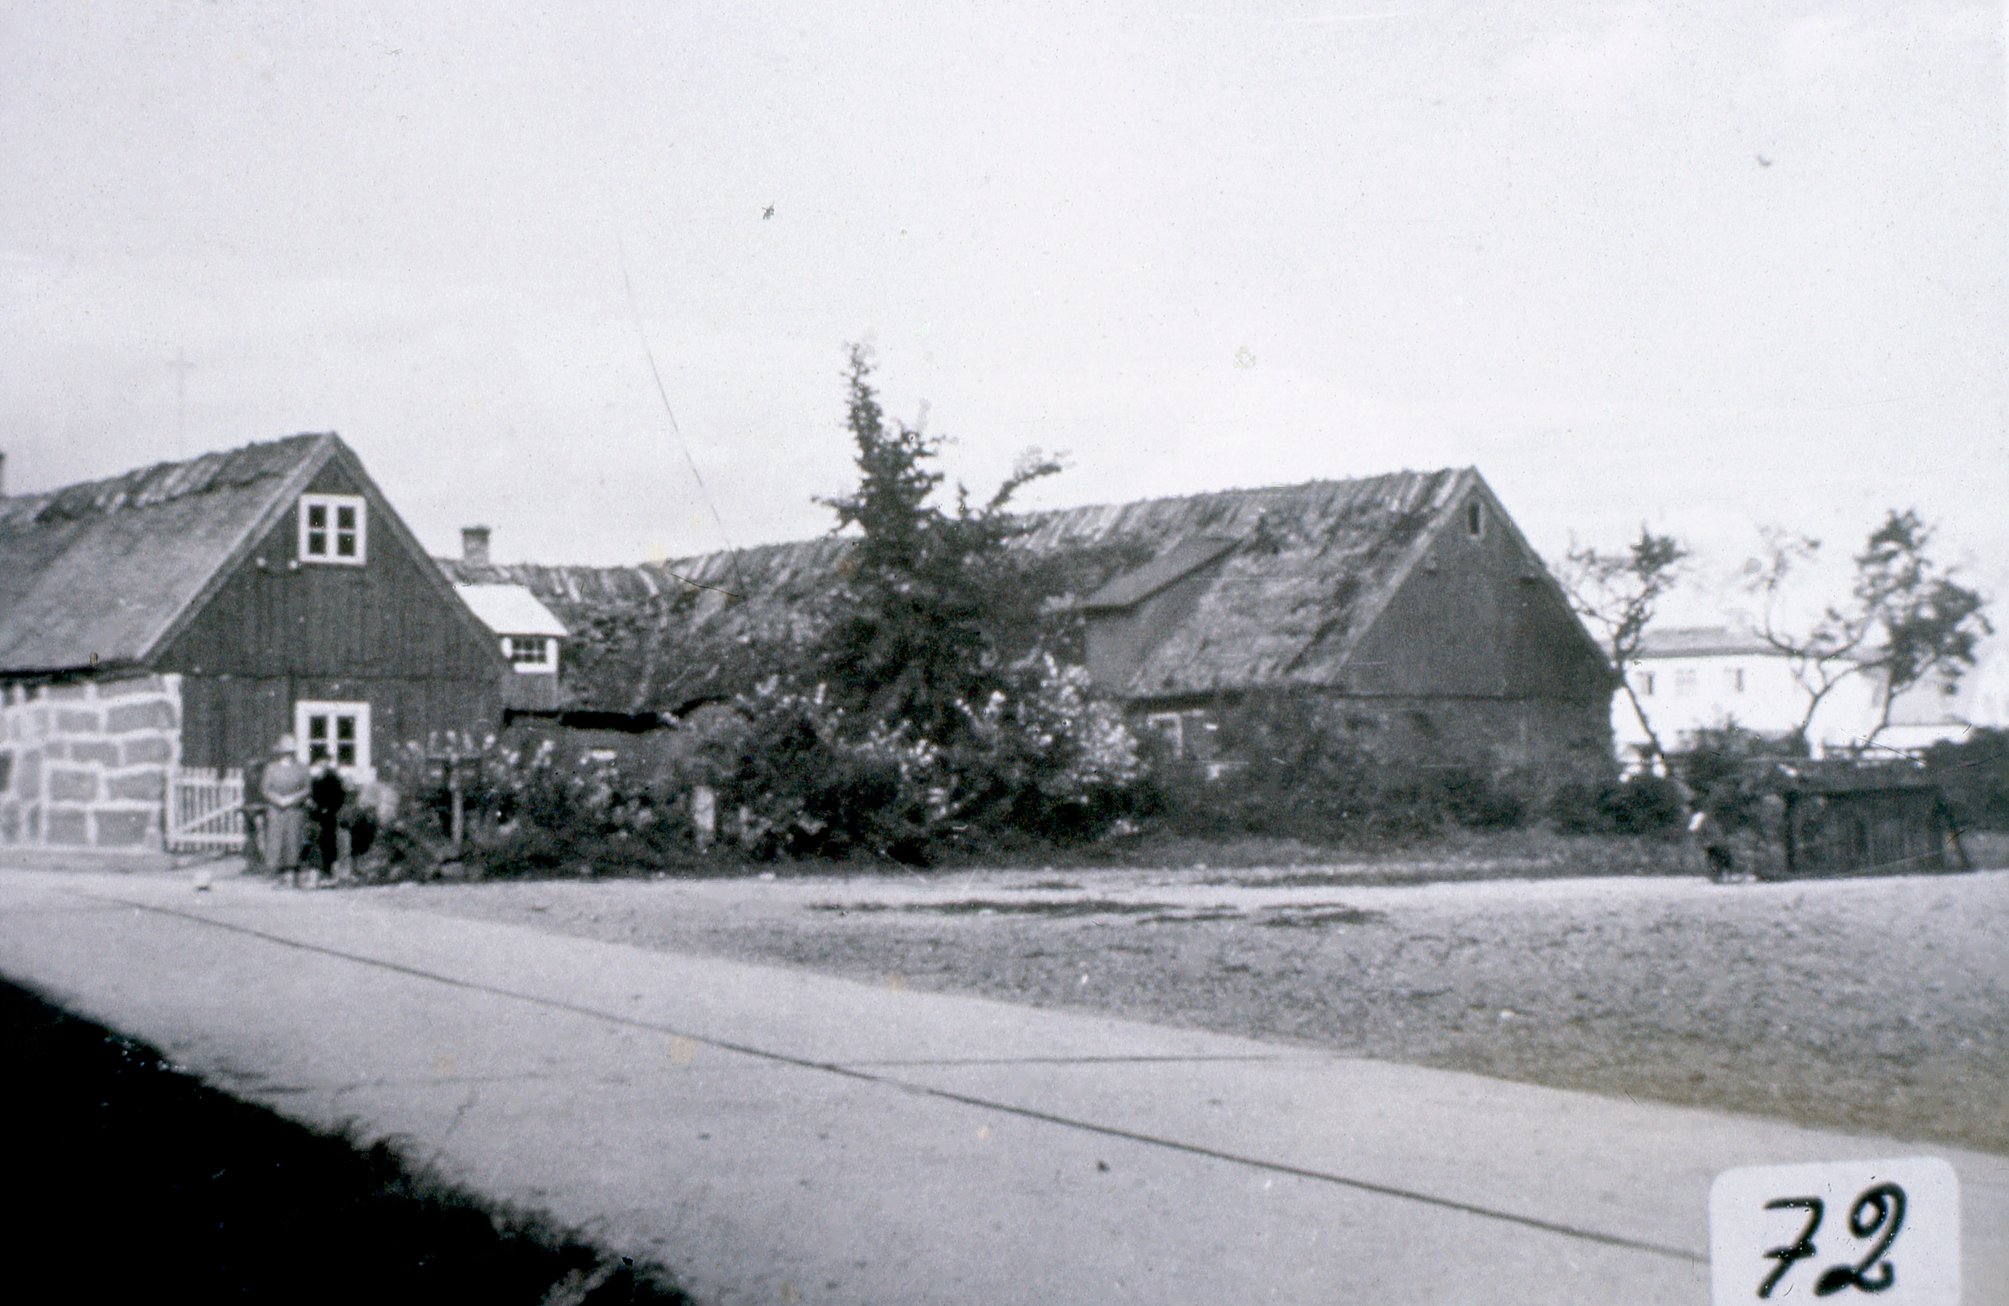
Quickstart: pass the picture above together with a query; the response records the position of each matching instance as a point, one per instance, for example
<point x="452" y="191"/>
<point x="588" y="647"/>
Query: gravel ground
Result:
<point x="1878" y="1005"/>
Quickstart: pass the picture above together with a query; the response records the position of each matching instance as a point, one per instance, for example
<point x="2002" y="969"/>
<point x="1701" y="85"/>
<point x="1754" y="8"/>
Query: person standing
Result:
<point x="285" y="790"/>
<point x="1709" y="828"/>
<point x="326" y="793"/>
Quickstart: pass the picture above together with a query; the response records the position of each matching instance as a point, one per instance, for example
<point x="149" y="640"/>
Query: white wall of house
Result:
<point x="1756" y="690"/>
<point x="1925" y="715"/>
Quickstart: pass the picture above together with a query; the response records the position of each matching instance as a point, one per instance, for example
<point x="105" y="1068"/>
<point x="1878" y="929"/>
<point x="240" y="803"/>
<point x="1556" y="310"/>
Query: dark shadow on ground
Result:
<point x="133" y="1181"/>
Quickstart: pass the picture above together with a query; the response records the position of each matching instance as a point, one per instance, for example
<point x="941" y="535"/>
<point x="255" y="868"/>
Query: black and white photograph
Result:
<point x="1290" y="651"/>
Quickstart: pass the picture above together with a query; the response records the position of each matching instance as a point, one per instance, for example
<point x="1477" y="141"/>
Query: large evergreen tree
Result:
<point x="935" y="606"/>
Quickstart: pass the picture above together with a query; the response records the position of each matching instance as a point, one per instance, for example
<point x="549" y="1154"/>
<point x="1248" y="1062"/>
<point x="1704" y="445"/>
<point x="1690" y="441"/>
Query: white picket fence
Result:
<point x="205" y="810"/>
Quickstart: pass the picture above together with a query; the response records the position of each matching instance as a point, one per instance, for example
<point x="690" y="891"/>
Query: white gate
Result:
<point x="205" y="810"/>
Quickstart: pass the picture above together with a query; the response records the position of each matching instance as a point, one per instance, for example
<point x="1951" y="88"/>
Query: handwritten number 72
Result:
<point x="1878" y="1211"/>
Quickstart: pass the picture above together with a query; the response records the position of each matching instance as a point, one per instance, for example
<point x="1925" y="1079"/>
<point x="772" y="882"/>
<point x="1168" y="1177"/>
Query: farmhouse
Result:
<point x="1690" y="678"/>
<point x="1412" y="597"/>
<point x="179" y="618"/>
<point x="1695" y="677"/>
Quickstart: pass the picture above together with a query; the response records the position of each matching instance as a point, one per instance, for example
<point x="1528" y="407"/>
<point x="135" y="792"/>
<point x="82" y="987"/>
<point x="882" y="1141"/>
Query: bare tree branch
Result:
<point x="1619" y="594"/>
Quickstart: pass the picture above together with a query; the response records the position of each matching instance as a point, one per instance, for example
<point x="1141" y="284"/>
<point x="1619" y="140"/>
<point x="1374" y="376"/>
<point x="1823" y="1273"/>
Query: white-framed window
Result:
<point x="1170" y="727"/>
<point x="531" y="653"/>
<point x="337" y="732"/>
<point x="333" y="528"/>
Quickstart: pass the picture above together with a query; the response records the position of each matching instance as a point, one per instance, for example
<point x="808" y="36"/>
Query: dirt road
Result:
<point x="1875" y="1004"/>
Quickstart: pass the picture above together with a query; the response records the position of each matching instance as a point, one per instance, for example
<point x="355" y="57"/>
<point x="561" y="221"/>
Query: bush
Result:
<point x="1641" y="804"/>
<point x="1304" y="772"/>
<point x="1974" y="774"/>
<point x="538" y="810"/>
<point x="1720" y="770"/>
<point x="1579" y="807"/>
<point x="1644" y="804"/>
<point x="1042" y="761"/>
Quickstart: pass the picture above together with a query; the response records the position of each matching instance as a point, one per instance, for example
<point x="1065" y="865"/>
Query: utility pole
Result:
<point x="181" y="366"/>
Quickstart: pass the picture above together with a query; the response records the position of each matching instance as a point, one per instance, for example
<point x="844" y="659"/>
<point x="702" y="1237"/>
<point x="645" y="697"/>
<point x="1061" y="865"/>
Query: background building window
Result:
<point x="1170" y="727"/>
<point x="1685" y="681"/>
<point x="332" y="528"/>
<point x="336" y="732"/>
<point x="1736" y="678"/>
<point x="1646" y="684"/>
<point x="530" y="652"/>
<point x="1475" y="519"/>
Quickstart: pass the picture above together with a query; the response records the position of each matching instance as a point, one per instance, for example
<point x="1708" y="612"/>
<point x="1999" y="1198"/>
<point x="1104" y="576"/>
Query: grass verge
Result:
<point x="142" y="1181"/>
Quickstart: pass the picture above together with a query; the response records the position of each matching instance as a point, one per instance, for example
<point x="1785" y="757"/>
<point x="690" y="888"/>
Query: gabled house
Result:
<point x="530" y="637"/>
<point x="1413" y="597"/>
<point x="185" y="615"/>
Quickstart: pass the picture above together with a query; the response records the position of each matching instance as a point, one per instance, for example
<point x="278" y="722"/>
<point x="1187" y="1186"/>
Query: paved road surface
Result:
<point x="778" y="1136"/>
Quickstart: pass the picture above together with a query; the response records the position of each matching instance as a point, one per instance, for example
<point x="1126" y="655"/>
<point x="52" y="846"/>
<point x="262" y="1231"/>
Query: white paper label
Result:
<point x="1885" y="1233"/>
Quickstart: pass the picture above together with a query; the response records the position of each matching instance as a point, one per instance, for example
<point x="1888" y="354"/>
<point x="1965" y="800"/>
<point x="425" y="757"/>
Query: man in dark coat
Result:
<point x="325" y="796"/>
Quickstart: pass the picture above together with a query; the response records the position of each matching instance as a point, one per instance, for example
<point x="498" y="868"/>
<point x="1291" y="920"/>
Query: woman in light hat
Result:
<point x="285" y="789"/>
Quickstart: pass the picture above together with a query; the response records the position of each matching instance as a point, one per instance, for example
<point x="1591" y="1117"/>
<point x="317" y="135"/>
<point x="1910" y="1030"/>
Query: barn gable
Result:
<point x="1475" y="613"/>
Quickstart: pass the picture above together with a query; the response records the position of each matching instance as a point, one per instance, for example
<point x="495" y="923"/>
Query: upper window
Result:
<point x="1685" y="681"/>
<point x="1736" y="679"/>
<point x="332" y="528"/>
<point x="531" y="652"/>
<point x="1475" y="519"/>
<point x="1646" y="683"/>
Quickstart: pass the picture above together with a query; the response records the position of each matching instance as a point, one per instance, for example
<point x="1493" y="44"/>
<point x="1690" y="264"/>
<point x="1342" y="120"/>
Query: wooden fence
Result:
<point x="1880" y="830"/>
<point x="205" y="810"/>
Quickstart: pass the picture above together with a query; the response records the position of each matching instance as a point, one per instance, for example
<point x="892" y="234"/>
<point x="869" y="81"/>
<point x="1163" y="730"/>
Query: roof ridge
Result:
<point x="163" y="482"/>
<point x="1319" y="482"/>
<point x="1033" y="517"/>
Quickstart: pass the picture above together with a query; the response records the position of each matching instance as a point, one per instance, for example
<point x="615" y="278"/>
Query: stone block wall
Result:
<point x="86" y="763"/>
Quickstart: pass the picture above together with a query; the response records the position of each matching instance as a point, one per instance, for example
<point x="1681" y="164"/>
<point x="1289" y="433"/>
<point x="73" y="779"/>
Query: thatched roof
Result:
<point x="1296" y="574"/>
<point x="103" y="573"/>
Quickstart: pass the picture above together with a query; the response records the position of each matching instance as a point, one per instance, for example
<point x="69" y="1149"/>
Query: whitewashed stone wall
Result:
<point x="86" y="764"/>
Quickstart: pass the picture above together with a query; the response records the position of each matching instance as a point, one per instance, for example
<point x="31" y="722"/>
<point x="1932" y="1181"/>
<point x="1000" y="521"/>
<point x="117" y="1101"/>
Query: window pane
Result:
<point x="345" y="754"/>
<point x="317" y="544"/>
<point x="317" y="515"/>
<point x="345" y="545"/>
<point x="317" y="727"/>
<point x="345" y="727"/>
<point x="345" y="517"/>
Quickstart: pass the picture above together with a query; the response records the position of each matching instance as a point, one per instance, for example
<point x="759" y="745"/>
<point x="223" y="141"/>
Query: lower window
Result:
<point x="334" y="732"/>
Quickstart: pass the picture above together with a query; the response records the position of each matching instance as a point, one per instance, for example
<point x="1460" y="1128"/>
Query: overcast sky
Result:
<point x="1703" y="266"/>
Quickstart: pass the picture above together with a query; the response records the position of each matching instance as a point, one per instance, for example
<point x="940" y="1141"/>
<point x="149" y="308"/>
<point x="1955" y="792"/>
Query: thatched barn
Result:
<point x="1412" y="598"/>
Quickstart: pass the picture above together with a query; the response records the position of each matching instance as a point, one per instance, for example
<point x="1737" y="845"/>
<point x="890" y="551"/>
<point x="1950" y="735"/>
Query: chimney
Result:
<point x="474" y="545"/>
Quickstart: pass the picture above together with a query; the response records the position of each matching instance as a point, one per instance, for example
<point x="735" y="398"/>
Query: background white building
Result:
<point x="1692" y="677"/>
